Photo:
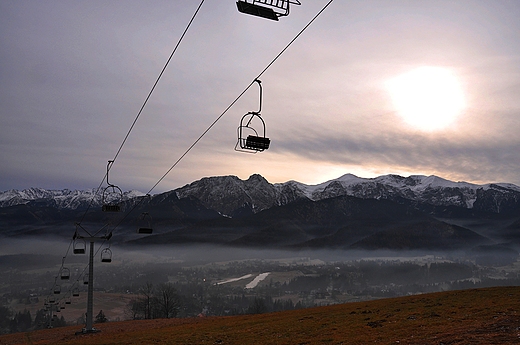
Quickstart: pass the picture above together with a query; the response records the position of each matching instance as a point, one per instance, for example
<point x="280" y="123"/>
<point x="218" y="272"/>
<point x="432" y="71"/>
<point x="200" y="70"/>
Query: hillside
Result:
<point x="478" y="316"/>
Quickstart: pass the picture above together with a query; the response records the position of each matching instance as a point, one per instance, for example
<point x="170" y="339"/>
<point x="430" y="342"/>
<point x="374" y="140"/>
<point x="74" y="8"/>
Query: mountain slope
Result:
<point x="330" y="223"/>
<point x="366" y="213"/>
<point x="478" y="316"/>
<point x="229" y="194"/>
<point x="234" y="197"/>
<point x="429" y="234"/>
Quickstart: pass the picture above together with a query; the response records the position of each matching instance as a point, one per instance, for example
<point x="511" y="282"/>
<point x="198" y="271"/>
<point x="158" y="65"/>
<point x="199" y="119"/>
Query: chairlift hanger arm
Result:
<point x="109" y="166"/>
<point x="259" y="82"/>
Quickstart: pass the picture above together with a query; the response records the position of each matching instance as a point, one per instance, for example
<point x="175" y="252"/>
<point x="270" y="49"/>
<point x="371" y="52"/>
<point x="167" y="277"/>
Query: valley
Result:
<point x="216" y="281"/>
<point x="222" y="246"/>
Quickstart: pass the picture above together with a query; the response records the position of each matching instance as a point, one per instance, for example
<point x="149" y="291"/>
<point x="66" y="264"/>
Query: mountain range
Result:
<point x="386" y="212"/>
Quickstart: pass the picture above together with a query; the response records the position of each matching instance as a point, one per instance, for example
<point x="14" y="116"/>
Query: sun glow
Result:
<point x="427" y="98"/>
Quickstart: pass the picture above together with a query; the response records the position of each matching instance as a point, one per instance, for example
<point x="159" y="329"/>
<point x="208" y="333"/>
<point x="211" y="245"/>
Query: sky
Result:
<point x="74" y="75"/>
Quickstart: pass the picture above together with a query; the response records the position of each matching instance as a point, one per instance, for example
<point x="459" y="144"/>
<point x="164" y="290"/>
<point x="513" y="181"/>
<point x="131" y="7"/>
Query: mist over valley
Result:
<point x="227" y="246"/>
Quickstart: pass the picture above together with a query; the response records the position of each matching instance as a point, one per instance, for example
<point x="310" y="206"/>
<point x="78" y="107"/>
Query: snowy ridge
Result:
<point x="66" y="199"/>
<point x="429" y="189"/>
<point x="233" y="197"/>
<point x="415" y="187"/>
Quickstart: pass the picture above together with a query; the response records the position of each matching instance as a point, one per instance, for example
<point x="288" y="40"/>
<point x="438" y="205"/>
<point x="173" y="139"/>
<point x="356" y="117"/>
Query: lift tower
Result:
<point x="90" y="295"/>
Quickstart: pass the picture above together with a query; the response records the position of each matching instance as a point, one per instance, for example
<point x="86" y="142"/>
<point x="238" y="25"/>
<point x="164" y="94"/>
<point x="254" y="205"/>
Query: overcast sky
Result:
<point x="74" y="74"/>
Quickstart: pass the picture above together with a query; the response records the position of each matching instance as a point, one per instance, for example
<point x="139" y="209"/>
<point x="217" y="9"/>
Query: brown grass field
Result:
<point x="478" y="316"/>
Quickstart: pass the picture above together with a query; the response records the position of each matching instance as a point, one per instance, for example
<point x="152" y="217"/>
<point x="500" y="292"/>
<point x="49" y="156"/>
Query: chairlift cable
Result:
<point x="240" y="95"/>
<point x="158" y="78"/>
<point x="226" y="110"/>
<point x="203" y="134"/>
<point x="295" y="38"/>
<point x="143" y="106"/>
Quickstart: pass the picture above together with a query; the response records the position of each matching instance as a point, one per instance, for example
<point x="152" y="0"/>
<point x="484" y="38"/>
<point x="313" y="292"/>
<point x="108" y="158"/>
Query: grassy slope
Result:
<point x="479" y="316"/>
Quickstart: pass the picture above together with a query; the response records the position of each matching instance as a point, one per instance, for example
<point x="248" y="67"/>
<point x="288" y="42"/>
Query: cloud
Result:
<point x="73" y="76"/>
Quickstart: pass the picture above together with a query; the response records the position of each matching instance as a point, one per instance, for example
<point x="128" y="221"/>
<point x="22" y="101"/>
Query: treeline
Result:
<point x="11" y="322"/>
<point x="190" y="300"/>
<point x="161" y="301"/>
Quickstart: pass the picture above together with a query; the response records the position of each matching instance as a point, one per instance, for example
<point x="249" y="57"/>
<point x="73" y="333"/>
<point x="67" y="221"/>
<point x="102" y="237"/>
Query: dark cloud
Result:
<point x="73" y="76"/>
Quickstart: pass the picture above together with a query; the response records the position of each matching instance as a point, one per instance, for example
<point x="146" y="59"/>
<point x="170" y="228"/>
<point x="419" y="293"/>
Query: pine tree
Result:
<point x="100" y="317"/>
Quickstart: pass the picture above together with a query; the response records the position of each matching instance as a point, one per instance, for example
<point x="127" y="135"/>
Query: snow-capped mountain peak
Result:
<point x="65" y="198"/>
<point x="231" y="196"/>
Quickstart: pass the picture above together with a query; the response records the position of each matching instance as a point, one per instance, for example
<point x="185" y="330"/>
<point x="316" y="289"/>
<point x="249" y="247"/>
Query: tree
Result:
<point x="21" y="322"/>
<point x="257" y="307"/>
<point x="60" y="322"/>
<point x="100" y="317"/>
<point x="41" y="319"/>
<point x="134" y="309"/>
<point x="5" y="319"/>
<point x="167" y="300"/>
<point x="147" y="294"/>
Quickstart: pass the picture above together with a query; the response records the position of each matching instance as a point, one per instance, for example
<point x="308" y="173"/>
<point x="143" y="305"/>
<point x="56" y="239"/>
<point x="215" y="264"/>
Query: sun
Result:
<point x="427" y="98"/>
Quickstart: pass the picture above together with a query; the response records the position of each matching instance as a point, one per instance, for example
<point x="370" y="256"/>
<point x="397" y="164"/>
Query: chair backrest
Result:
<point x="144" y="230"/>
<point x="257" y="143"/>
<point x="111" y="208"/>
<point x="256" y="10"/>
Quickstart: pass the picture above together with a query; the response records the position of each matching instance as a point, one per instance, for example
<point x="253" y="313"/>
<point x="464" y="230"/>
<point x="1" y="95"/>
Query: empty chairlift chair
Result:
<point x="144" y="224"/>
<point x="249" y="140"/>
<point x="112" y="195"/>
<point x="75" y="292"/>
<point x="251" y="131"/>
<point x="112" y="198"/>
<point x="57" y="289"/>
<point x="79" y="246"/>
<point x="65" y="273"/>
<point x="106" y="255"/>
<point x="269" y="9"/>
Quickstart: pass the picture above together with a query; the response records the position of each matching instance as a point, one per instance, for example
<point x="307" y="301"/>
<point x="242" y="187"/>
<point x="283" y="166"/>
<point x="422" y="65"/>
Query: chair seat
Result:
<point x="111" y="208"/>
<point x="257" y="143"/>
<point x="145" y="231"/>
<point x="256" y="10"/>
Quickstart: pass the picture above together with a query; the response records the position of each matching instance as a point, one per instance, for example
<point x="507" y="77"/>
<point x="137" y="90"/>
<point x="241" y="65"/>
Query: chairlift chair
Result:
<point x="65" y="273"/>
<point x="144" y="224"/>
<point x="79" y="246"/>
<point x="57" y="289"/>
<point x="75" y="292"/>
<point x="112" y="195"/>
<point x="68" y="300"/>
<point x="249" y="139"/>
<point x="106" y="255"/>
<point x="85" y="279"/>
<point x="269" y="9"/>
